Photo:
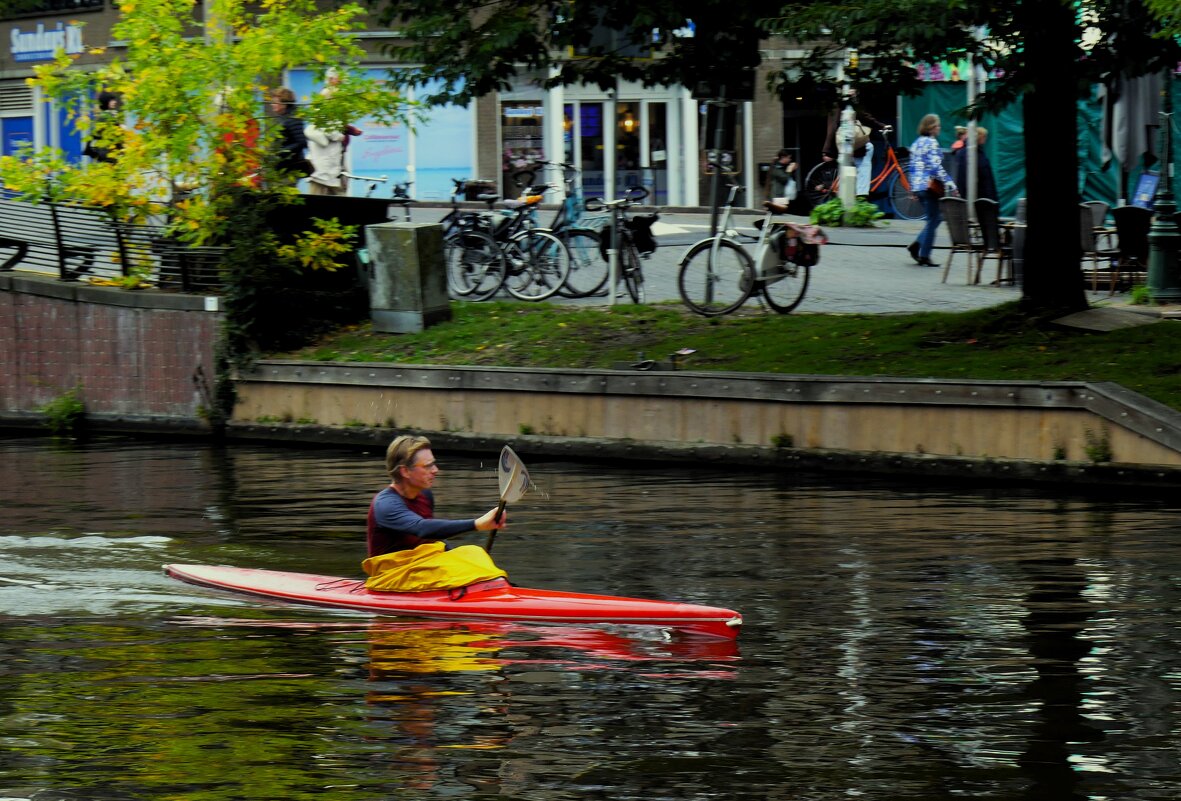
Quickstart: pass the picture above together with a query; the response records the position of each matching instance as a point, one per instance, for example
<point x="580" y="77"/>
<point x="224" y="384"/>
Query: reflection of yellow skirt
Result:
<point x="429" y="567"/>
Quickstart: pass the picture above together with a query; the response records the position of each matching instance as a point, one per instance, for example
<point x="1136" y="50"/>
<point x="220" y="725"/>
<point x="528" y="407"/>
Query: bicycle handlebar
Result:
<point x="381" y="179"/>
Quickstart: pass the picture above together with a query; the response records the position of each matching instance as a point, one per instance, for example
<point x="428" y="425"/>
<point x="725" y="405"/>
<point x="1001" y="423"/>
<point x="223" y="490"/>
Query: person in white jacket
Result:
<point x="326" y="152"/>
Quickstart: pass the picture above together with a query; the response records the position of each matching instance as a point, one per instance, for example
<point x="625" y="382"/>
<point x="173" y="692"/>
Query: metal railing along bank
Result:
<point x="80" y="242"/>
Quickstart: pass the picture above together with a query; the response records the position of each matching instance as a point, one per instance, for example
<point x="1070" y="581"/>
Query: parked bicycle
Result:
<point x="536" y="262"/>
<point x="717" y="274"/>
<point x="474" y="260"/>
<point x="580" y="233"/>
<point x="823" y="182"/>
<point x="627" y="240"/>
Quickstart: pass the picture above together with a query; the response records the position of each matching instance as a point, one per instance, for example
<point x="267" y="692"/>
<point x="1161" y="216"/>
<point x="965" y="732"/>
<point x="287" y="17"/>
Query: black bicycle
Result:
<point x="628" y="239"/>
<point x="578" y="232"/>
<point x="475" y="263"/>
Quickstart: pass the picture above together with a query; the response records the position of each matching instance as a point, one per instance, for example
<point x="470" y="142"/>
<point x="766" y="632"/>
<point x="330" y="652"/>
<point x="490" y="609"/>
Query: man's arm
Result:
<point x="390" y="512"/>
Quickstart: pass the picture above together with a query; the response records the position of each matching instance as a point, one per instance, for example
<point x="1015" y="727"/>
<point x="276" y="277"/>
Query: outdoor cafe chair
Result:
<point x="1099" y="209"/>
<point x="955" y="214"/>
<point x="1132" y="224"/>
<point x="1090" y="242"/>
<point x="992" y="243"/>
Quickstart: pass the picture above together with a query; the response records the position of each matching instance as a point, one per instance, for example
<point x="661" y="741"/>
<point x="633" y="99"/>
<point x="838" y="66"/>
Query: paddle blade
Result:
<point x="514" y="478"/>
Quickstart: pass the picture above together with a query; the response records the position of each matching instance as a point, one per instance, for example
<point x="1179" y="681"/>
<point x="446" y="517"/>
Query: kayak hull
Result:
<point x="489" y="600"/>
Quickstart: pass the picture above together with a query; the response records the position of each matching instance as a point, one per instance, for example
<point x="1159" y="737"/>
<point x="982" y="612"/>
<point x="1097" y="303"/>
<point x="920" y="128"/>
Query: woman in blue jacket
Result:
<point x="926" y="163"/>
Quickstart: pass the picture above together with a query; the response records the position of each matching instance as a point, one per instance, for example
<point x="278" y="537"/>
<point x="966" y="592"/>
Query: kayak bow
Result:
<point x="487" y="600"/>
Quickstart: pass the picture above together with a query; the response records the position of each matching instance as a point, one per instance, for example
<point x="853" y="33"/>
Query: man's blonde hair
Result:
<point x="402" y="451"/>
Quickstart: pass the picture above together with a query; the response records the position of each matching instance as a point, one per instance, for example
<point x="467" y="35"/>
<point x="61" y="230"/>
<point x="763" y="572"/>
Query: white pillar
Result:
<point x="40" y="128"/>
<point x="555" y="116"/>
<point x="673" y="162"/>
<point x="690" y="154"/>
<point x="971" y="191"/>
<point x="645" y="148"/>
<point x="610" y="121"/>
<point x="748" y="152"/>
<point x="847" y="189"/>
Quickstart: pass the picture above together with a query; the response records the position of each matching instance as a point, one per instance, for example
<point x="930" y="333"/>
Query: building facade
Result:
<point x="656" y="137"/>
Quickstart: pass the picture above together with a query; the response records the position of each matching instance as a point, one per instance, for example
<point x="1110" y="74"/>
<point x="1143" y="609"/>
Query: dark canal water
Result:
<point x="901" y="641"/>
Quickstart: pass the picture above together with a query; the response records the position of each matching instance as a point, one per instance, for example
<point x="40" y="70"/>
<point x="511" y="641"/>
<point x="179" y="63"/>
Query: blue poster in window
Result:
<point x="440" y="147"/>
<point x="1146" y="190"/>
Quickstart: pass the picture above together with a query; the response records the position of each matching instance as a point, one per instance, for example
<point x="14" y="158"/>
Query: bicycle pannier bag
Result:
<point x="641" y="231"/>
<point x="935" y="187"/>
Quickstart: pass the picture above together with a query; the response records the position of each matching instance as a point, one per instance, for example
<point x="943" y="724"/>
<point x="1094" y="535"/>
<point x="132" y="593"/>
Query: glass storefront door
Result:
<point x="583" y="140"/>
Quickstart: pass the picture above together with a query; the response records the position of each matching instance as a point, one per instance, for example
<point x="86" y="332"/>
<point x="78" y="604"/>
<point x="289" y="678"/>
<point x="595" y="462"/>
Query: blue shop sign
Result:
<point x="42" y="44"/>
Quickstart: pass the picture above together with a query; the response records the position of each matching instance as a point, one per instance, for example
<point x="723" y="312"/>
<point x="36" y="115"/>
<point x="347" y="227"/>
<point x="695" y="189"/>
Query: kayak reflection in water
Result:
<point x="406" y="553"/>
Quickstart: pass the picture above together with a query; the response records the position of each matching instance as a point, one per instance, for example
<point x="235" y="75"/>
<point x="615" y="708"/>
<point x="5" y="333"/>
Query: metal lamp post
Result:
<point x="1164" y="277"/>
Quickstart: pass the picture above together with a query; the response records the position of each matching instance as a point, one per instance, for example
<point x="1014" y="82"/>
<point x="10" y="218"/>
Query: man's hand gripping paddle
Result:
<point x="514" y="481"/>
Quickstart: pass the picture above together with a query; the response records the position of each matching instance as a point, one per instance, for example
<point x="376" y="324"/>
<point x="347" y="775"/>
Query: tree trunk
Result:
<point x="1053" y="279"/>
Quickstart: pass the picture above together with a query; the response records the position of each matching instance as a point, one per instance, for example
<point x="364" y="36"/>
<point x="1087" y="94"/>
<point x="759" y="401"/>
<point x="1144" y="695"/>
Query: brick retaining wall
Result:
<point x="134" y="354"/>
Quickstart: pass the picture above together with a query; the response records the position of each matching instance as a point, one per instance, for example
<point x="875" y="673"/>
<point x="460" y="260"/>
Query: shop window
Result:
<point x="522" y="131"/>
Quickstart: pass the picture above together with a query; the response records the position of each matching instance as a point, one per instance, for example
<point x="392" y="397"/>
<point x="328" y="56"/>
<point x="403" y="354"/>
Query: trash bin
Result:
<point x="407" y="277"/>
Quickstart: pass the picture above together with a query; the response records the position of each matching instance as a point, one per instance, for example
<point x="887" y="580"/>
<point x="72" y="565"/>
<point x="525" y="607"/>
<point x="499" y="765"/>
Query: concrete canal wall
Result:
<point x="1012" y="429"/>
<point x="144" y="359"/>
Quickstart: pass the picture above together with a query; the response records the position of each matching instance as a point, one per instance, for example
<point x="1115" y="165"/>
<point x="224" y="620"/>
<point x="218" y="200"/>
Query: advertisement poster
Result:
<point x="438" y="149"/>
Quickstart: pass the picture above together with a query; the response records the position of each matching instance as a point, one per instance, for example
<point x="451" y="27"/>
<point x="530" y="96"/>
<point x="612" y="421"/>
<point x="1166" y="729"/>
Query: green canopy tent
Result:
<point x="1099" y="172"/>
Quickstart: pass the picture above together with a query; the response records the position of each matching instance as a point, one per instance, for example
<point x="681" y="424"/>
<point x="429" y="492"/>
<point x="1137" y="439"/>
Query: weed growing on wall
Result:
<point x="65" y="413"/>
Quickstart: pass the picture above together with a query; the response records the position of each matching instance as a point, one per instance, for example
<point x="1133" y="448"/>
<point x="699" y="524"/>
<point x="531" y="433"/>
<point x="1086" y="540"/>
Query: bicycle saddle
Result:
<point x="774" y="208"/>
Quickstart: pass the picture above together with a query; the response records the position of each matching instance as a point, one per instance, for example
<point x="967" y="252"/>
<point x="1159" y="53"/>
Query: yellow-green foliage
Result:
<point x="318" y="250"/>
<point x="193" y="121"/>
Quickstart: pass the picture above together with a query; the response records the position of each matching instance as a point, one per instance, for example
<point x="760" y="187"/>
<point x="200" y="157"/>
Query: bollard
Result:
<point x="1164" y="277"/>
<point x="407" y="277"/>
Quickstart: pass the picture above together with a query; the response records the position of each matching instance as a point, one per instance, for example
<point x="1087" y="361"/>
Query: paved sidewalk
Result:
<point x="861" y="270"/>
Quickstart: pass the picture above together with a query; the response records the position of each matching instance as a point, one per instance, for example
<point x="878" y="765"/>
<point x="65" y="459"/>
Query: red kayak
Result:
<point x="487" y="600"/>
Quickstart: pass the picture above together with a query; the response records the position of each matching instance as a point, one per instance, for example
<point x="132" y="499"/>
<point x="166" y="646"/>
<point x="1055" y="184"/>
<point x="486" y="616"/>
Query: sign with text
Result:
<point x="43" y="43"/>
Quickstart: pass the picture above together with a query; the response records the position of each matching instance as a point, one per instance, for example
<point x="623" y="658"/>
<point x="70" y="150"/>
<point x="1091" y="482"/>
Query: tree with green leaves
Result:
<point x="190" y="134"/>
<point x="474" y="47"/>
<point x="1044" y="54"/>
<point x="1047" y="54"/>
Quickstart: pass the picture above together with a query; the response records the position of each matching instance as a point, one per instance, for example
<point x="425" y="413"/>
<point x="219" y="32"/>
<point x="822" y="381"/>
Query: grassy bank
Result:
<point x="997" y="343"/>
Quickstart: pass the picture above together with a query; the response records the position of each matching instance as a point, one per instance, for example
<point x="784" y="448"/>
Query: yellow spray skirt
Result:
<point x="430" y="567"/>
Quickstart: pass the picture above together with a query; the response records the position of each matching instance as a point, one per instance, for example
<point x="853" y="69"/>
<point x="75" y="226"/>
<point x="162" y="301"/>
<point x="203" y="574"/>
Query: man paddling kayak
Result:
<point x="402" y="516"/>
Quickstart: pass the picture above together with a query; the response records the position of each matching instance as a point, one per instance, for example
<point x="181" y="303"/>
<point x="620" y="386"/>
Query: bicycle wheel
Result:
<point x="538" y="265"/>
<point x="633" y="273"/>
<point x="907" y="204"/>
<point x="821" y="184"/>
<point x="588" y="269"/>
<point x="475" y="265"/>
<point x="784" y="286"/>
<point x="715" y="284"/>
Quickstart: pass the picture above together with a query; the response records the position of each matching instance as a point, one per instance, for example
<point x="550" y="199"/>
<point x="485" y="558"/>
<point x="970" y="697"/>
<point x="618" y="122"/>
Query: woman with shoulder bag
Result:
<point x="930" y="182"/>
<point x="782" y="186"/>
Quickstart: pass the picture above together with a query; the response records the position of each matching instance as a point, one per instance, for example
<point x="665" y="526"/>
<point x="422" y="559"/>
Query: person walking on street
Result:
<point x="930" y="181"/>
<point x="864" y="124"/>
<point x="985" y="180"/>
<point x="783" y="176"/>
